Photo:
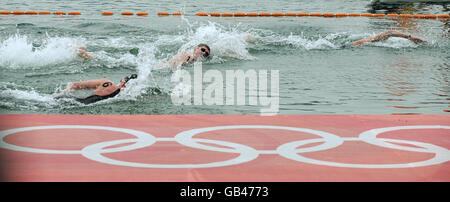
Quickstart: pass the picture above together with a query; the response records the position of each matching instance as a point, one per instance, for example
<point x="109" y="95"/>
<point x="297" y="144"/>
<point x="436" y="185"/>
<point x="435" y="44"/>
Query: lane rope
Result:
<point x="242" y="14"/>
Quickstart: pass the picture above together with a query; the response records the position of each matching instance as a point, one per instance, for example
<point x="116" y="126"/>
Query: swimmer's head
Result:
<point x="125" y="80"/>
<point x="202" y="50"/>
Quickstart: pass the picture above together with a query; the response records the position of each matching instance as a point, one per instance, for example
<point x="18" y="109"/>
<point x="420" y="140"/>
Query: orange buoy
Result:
<point x="418" y="16"/>
<point x="341" y="14"/>
<point x="316" y="14"/>
<point x="214" y="14"/>
<point x="227" y="14"/>
<point x="59" y="13"/>
<point x="142" y="13"/>
<point x="18" y="12"/>
<point x="107" y="13"/>
<point x="443" y="16"/>
<point x="75" y="13"/>
<point x="5" y="12"/>
<point x="252" y="14"/>
<point x="31" y="12"/>
<point x="430" y="16"/>
<point x="127" y="13"/>
<point x="162" y="13"/>
<point x="303" y="14"/>
<point x="328" y="15"/>
<point x="277" y="14"/>
<point x="392" y="15"/>
<point x="177" y="13"/>
<point x="367" y="14"/>
<point x="239" y="14"/>
<point x="354" y="14"/>
<point x="265" y="14"/>
<point x="405" y="15"/>
<point x="379" y="15"/>
<point x="291" y="14"/>
<point x="201" y="14"/>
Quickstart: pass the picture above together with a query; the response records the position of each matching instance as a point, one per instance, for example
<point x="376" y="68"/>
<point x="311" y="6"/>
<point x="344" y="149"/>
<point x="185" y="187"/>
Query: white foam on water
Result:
<point x="28" y="95"/>
<point x="17" y="51"/>
<point x="396" y="42"/>
<point x="223" y="41"/>
<point x="296" y="40"/>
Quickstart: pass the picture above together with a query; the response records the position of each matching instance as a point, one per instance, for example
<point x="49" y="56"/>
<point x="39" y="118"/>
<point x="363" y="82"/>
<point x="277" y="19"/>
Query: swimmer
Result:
<point x="82" y="52"/>
<point x="101" y="88"/>
<point x="186" y="58"/>
<point x="387" y="34"/>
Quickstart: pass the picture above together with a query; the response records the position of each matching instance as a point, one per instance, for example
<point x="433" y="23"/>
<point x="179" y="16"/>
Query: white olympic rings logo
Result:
<point x="288" y="150"/>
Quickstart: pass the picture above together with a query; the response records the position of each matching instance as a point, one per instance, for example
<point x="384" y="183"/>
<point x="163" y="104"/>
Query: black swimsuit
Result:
<point x="96" y="98"/>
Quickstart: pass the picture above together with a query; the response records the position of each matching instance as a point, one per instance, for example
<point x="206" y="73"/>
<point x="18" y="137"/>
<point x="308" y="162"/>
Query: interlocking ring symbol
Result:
<point x="246" y="154"/>
<point x="441" y="154"/>
<point x="146" y="138"/>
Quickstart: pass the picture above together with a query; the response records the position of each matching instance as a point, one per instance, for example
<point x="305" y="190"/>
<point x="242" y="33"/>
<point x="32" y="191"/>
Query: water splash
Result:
<point x="18" y="51"/>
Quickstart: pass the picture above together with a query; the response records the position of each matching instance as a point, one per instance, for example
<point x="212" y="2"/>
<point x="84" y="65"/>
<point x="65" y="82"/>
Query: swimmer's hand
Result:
<point x="418" y="40"/>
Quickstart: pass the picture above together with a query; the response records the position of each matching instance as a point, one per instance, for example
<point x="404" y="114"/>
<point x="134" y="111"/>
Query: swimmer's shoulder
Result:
<point x="93" y="83"/>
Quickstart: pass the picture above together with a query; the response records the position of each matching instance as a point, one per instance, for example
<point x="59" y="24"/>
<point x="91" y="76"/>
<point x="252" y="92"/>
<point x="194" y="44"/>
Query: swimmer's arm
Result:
<point x="359" y="42"/>
<point x="387" y="34"/>
<point x="91" y="84"/>
<point x="417" y="40"/>
<point x="175" y="61"/>
<point x="393" y="33"/>
<point x="379" y="37"/>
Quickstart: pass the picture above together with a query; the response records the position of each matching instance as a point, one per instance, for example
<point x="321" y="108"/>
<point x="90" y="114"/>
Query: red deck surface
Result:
<point x="240" y="148"/>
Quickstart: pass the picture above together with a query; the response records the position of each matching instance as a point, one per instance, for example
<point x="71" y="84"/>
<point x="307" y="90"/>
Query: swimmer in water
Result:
<point x="101" y="88"/>
<point x="82" y="52"/>
<point x="387" y="34"/>
<point x="186" y="58"/>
